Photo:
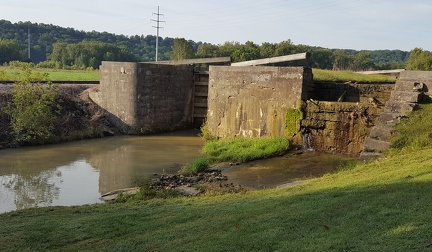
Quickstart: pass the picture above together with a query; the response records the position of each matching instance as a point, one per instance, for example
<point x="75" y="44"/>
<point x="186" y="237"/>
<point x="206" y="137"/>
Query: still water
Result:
<point x="77" y="173"/>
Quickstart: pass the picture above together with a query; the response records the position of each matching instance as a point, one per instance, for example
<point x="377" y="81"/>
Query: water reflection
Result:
<point x="78" y="173"/>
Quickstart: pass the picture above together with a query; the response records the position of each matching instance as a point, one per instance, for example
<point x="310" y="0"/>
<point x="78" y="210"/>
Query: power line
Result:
<point x="157" y="30"/>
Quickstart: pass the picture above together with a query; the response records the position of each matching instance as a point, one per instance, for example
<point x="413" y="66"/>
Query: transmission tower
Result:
<point x="158" y="21"/>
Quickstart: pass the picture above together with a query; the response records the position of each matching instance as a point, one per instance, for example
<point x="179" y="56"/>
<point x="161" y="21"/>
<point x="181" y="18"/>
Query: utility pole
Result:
<point x="157" y="29"/>
<point x="28" y="44"/>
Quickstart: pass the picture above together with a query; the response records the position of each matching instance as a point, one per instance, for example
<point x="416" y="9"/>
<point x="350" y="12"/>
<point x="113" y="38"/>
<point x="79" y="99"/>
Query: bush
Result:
<point x="34" y="108"/>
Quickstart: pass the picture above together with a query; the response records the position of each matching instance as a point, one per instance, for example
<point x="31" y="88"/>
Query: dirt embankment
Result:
<point x="80" y="118"/>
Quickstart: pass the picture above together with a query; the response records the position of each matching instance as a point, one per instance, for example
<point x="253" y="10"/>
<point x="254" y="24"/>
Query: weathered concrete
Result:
<point x="254" y="101"/>
<point x="145" y="98"/>
<point x="339" y="127"/>
<point x="411" y="89"/>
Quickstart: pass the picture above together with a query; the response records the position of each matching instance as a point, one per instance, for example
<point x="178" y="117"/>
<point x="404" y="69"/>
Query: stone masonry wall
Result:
<point x="338" y="127"/>
<point x="146" y="98"/>
<point x="253" y="101"/>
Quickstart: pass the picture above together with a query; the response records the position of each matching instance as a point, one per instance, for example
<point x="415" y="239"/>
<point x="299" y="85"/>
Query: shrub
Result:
<point x="34" y="107"/>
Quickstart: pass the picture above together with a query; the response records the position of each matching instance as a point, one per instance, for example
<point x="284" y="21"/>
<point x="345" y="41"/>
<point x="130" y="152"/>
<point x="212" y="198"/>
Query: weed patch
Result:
<point x="244" y="149"/>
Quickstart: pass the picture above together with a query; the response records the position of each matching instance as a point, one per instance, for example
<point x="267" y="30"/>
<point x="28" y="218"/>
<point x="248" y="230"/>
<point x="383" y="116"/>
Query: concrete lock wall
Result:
<point x="254" y="101"/>
<point x="145" y="98"/>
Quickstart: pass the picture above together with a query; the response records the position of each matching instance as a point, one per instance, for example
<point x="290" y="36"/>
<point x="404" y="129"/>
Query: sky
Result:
<point x="344" y="24"/>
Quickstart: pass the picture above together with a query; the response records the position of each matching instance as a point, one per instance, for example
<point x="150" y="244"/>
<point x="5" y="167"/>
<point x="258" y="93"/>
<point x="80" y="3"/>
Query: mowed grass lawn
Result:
<point x="55" y="74"/>
<point x="83" y="75"/>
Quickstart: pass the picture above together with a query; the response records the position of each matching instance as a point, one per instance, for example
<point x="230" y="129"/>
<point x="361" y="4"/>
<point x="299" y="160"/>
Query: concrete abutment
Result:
<point x="256" y="101"/>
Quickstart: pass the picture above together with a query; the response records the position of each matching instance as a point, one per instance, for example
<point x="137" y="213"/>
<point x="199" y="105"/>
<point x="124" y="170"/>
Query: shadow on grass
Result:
<point x="394" y="217"/>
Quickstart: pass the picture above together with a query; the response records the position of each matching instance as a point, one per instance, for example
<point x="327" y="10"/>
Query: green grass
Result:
<point x="415" y="132"/>
<point x="244" y="149"/>
<point x="54" y="74"/>
<point x="82" y="75"/>
<point x="345" y="76"/>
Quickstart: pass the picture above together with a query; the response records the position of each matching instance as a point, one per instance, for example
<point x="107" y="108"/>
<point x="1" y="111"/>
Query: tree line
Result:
<point x="57" y="47"/>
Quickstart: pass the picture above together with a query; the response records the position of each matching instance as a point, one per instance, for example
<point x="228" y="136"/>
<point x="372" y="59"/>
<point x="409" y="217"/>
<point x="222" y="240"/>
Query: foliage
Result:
<point x="3" y="75"/>
<point x="293" y="120"/>
<point x="344" y="76"/>
<point x="419" y="60"/>
<point x="415" y="131"/>
<point x="182" y="49"/>
<point x="87" y="54"/>
<point x="198" y="165"/>
<point x="34" y="108"/>
<point x="142" y="48"/>
<point x="207" y="50"/>
<point x="248" y="51"/>
<point x="244" y="149"/>
<point x="9" y="50"/>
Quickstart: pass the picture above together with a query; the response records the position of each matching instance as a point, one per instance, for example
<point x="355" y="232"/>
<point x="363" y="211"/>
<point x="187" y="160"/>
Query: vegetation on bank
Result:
<point x="10" y="73"/>
<point x="237" y="150"/>
<point x="380" y="206"/>
<point x="347" y="76"/>
<point x="35" y="108"/>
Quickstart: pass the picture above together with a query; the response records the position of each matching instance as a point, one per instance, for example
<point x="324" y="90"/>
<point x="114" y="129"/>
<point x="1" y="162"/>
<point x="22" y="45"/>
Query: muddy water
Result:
<point x="78" y="173"/>
<point x="284" y="170"/>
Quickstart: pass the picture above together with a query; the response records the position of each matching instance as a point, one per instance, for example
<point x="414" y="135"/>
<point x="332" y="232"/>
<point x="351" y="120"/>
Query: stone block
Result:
<point x="404" y="96"/>
<point x="389" y="119"/>
<point x="383" y="133"/>
<point x="374" y="145"/>
<point x="410" y="86"/>
<point x="399" y="107"/>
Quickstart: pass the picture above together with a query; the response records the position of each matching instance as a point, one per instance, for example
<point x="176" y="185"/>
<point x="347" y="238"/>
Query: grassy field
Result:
<point x="54" y="74"/>
<point x="344" y="76"/>
<point x="380" y="206"/>
<point x="82" y="75"/>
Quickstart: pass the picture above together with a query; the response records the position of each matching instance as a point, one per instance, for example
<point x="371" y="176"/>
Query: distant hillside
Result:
<point x="43" y="36"/>
<point x="142" y="48"/>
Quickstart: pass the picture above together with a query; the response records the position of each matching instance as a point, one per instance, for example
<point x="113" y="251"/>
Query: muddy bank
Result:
<point x="80" y="118"/>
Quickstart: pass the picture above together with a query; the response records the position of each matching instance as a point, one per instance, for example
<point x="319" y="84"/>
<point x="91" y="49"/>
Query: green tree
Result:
<point x="34" y="109"/>
<point x="342" y="60"/>
<point x="284" y="48"/>
<point x="248" y="51"/>
<point x="419" y="60"/>
<point x="362" y="62"/>
<point x="267" y="50"/>
<point x="321" y="58"/>
<point x="181" y="49"/>
<point x="207" y="50"/>
<point x="9" y="50"/>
